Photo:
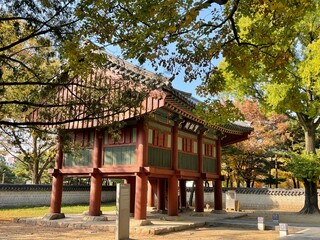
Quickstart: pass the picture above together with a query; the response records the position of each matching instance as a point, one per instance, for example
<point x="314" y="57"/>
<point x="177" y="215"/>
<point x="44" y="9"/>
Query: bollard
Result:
<point x="122" y="230"/>
<point x="261" y="225"/>
<point x="283" y="229"/>
<point x="275" y="218"/>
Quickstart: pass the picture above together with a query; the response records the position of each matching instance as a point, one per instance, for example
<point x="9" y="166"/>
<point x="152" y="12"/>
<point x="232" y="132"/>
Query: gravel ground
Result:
<point x="15" y="231"/>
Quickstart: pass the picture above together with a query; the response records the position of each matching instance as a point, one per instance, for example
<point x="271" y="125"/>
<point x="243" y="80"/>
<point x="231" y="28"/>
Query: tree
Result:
<point x="306" y="166"/>
<point x="30" y="32"/>
<point x="32" y="149"/>
<point x="295" y="145"/>
<point x="245" y="165"/>
<point x="249" y="160"/>
<point x="44" y="46"/>
<point x="6" y="173"/>
<point x="275" y="61"/>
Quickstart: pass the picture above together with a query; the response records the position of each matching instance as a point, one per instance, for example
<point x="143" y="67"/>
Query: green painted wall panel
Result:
<point x="209" y="165"/>
<point x="158" y="157"/>
<point x="187" y="161"/>
<point x="120" y="155"/>
<point x="79" y="157"/>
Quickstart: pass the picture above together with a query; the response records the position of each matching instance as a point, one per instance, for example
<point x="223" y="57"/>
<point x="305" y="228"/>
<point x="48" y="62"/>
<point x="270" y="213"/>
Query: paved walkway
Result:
<point x="161" y="223"/>
<point x="156" y="224"/>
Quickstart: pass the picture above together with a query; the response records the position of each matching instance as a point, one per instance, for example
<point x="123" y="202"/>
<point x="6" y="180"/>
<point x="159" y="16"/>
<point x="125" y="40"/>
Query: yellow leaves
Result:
<point x="190" y="16"/>
<point x="276" y="6"/>
<point x="309" y="69"/>
<point x="245" y="24"/>
<point x="172" y="29"/>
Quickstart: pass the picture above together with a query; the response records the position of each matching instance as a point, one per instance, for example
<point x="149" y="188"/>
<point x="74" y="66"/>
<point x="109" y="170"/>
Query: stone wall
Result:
<point x="249" y="198"/>
<point x="39" y="195"/>
<point x="263" y="199"/>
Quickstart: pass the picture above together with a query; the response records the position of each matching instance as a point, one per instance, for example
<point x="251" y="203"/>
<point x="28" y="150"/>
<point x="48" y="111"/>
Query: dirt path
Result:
<point x="18" y="231"/>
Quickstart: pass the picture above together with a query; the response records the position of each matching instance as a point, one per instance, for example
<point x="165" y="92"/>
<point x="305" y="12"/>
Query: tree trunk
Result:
<point x="35" y="178"/>
<point x="294" y="182"/>
<point x="238" y="183"/>
<point x="311" y="198"/>
<point x="310" y="139"/>
<point x="228" y="179"/>
<point x="311" y="194"/>
<point x="248" y="183"/>
<point x="35" y="159"/>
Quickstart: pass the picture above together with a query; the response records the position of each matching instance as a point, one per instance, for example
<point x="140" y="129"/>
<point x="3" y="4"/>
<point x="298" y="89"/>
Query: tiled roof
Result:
<point x="44" y="187"/>
<point x="185" y="101"/>
<point x="261" y="191"/>
<point x="177" y="100"/>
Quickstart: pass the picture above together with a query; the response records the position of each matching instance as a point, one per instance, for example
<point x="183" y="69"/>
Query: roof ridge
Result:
<point x="134" y="72"/>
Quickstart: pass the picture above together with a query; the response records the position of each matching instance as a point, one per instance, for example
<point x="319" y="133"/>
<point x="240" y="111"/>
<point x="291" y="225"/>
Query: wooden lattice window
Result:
<point x="159" y="138"/>
<point x="209" y="150"/>
<point x="83" y="139"/>
<point x="126" y="136"/>
<point x="187" y="145"/>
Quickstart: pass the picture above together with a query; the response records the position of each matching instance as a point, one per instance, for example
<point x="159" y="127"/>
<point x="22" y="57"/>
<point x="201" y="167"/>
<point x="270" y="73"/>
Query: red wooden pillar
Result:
<point x="132" y="182"/>
<point x="173" y="180"/>
<point x="150" y="195"/>
<point x="175" y="130"/>
<point x="183" y="193"/>
<point x="96" y="177"/>
<point x="57" y="181"/>
<point x="173" y="196"/>
<point x="95" y="194"/>
<point x="142" y="144"/>
<point x="199" y="196"/>
<point x="56" y="193"/>
<point x="217" y="183"/>
<point x="140" y="210"/>
<point x="161" y="193"/>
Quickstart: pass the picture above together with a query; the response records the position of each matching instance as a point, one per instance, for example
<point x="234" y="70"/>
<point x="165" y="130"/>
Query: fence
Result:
<point x="262" y="199"/>
<point x="39" y="195"/>
<point x="249" y="198"/>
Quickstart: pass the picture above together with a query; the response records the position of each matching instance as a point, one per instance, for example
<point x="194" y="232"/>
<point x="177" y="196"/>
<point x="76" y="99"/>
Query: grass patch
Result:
<point x="8" y="214"/>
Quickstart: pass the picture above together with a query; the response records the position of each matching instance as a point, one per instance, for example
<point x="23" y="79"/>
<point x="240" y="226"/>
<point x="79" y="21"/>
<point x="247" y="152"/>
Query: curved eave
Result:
<point x="229" y="129"/>
<point x="232" y="139"/>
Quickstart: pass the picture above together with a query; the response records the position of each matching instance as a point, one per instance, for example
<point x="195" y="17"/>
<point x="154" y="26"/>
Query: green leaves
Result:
<point x="218" y="112"/>
<point x="305" y="166"/>
<point x="276" y="58"/>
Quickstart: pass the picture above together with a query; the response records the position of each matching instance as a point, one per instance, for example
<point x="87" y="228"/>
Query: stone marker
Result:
<point x="261" y="225"/>
<point x="122" y="211"/>
<point x="283" y="229"/>
<point x="275" y="218"/>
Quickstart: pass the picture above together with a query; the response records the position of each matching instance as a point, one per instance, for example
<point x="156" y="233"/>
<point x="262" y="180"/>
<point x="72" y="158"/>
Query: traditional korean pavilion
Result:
<point x="159" y="149"/>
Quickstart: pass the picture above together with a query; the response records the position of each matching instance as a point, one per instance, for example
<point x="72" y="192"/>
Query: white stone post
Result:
<point x="261" y="225"/>
<point x="123" y="211"/>
<point x="283" y="229"/>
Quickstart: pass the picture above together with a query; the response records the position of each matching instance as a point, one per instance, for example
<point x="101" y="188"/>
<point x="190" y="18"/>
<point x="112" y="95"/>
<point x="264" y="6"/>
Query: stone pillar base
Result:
<point x="53" y="216"/>
<point x="95" y="218"/>
<point x="86" y="213"/>
<point x="139" y="223"/>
